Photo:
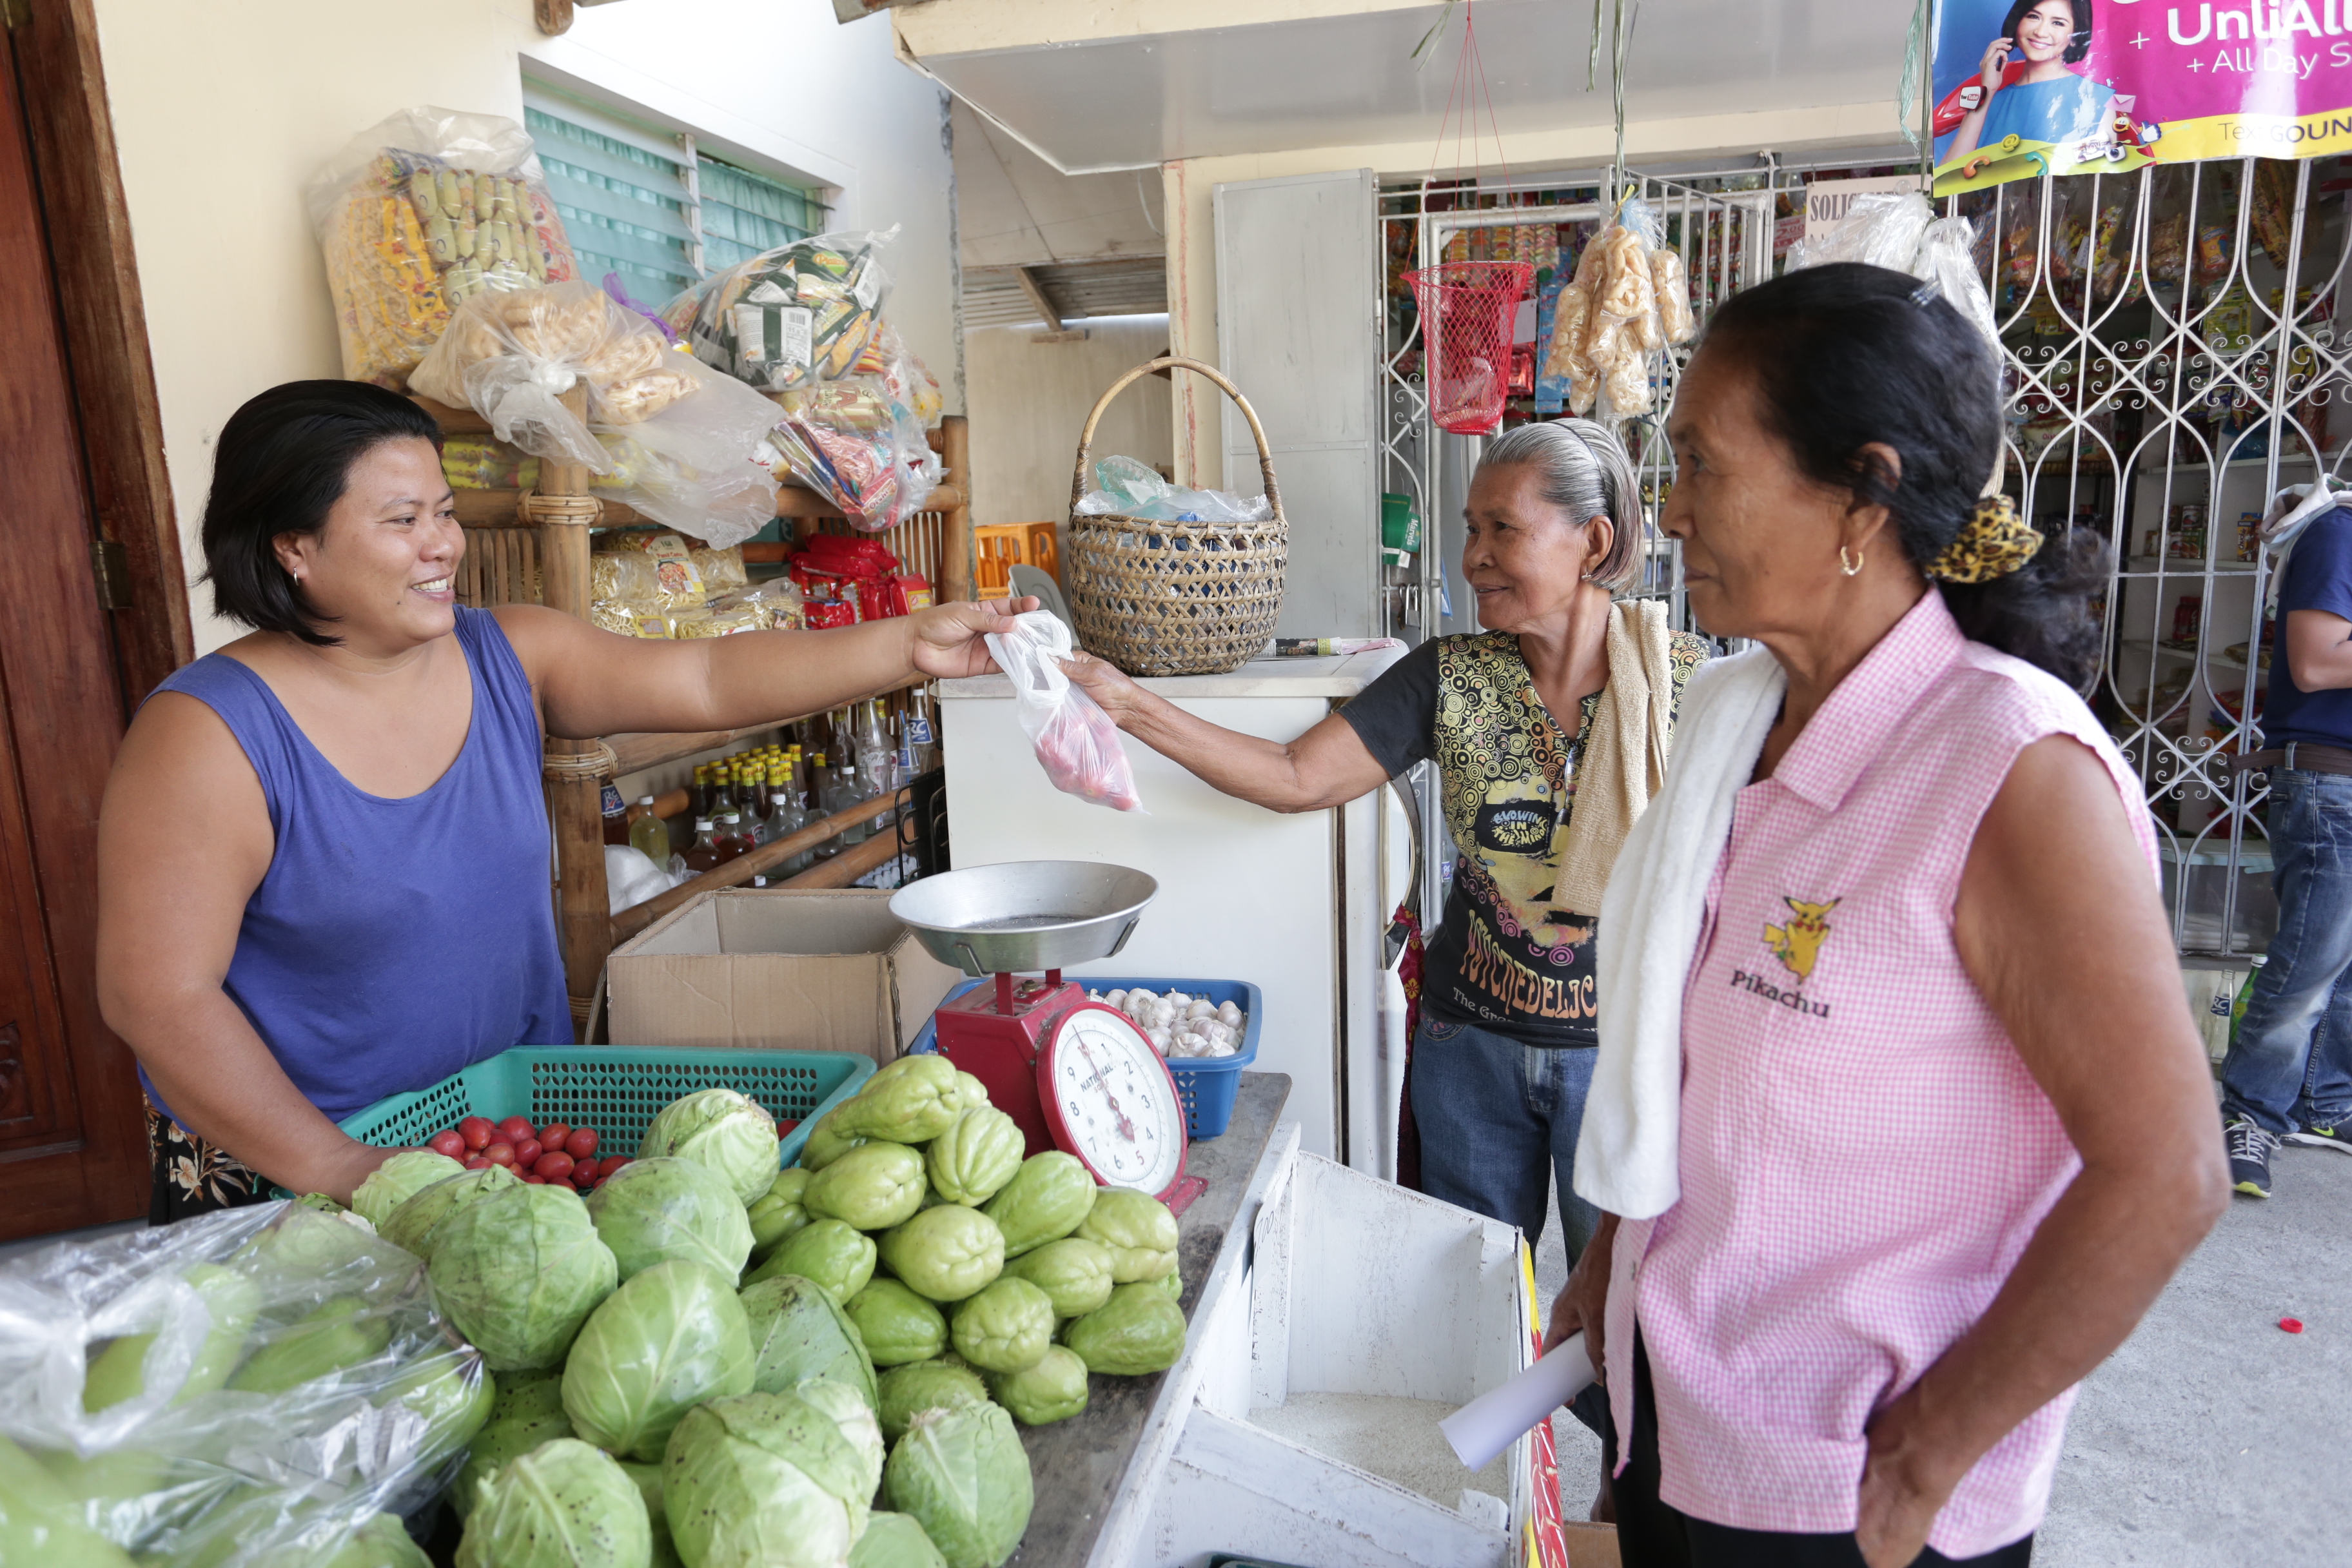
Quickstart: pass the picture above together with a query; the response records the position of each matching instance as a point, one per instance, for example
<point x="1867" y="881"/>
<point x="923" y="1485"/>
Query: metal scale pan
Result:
<point x="1024" y="916"/>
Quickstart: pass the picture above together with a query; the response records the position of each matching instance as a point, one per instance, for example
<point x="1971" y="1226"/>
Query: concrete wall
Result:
<point x="1029" y="400"/>
<point x="224" y="110"/>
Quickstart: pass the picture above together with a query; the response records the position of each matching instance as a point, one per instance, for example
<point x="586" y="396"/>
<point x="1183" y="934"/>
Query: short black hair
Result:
<point x="2077" y="46"/>
<point x="1847" y="354"/>
<point x="281" y="463"/>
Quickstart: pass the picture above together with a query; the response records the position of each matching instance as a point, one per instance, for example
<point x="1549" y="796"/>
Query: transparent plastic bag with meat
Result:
<point x="1077" y="743"/>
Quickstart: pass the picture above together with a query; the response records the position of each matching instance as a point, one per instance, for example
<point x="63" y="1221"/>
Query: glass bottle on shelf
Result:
<point x="702" y="854"/>
<point x="847" y="796"/>
<point x="647" y="833"/>
<point x="727" y="835"/>
<point x="820" y="792"/>
<point x="614" y="809"/>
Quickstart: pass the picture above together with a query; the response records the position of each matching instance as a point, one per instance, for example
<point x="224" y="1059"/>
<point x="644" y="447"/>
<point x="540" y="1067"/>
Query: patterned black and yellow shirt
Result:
<point x="1506" y="957"/>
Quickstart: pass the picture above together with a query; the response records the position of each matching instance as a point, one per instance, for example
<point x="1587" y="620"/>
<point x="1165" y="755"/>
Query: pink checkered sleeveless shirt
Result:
<point x="1863" y="1154"/>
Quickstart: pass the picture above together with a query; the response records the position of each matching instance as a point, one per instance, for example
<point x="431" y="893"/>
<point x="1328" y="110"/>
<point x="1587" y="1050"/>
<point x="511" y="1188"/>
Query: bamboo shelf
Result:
<point x="533" y="548"/>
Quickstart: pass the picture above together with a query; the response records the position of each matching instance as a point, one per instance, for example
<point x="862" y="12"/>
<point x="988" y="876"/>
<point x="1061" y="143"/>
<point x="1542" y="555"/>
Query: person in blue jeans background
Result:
<point x="2288" y="1076"/>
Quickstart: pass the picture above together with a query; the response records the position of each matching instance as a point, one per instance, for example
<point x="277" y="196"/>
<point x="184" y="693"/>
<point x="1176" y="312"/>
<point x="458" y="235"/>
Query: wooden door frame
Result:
<point x="105" y="325"/>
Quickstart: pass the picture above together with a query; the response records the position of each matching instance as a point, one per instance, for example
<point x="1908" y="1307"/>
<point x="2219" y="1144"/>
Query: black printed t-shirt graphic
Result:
<point x="1506" y="957"/>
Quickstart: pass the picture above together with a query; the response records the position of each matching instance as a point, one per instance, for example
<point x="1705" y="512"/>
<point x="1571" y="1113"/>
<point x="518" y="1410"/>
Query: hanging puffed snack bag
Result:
<point x="1077" y="743"/>
<point x="420" y="214"/>
<point x="791" y="317"/>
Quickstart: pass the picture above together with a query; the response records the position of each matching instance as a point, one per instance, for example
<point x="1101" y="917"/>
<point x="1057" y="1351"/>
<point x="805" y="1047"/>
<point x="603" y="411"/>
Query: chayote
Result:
<point x="41" y="1520"/>
<point x="971" y="1160"/>
<point x="940" y="1384"/>
<point x="827" y="1142"/>
<point x="946" y="1253"/>
<point x="669" y="1338"/>
<point x="519" y="1272"/>
<point x="799" y="1332"/>
<point x="1004" y="1328"/>
<point x="963" y="1476"/>
<point x="871" y="1188"/>
<point x="452" y="1392"/>
<point x="120" y="1371"/>
<point x="656" y="1210"/>
<point x="1139" y="1330"/>
<point x="412" y="1225"/>
<point x="563" y="1503"/>
<point x="828" y="1251"/>
<point x="1054" y="1390"/>
<point x="339" y="1332"/>
<point x="779" y="1212"/>
<point x="911" y="1100"/>
<point x="721" y="1128"/>
<point x="896" y="1325"/>
<point x="1049" y="1197"/>
<point x="1173" y="1283"/>
<point x="399" y="1179"/>
<point x="894" y="1541"/>
<point x="1136" y="1230"/>
<point x="1074" y="1272"/>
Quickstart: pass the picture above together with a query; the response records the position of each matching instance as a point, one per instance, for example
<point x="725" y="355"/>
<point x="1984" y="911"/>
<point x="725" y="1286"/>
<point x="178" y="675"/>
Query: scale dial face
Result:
<point x="1112" y="1102"/>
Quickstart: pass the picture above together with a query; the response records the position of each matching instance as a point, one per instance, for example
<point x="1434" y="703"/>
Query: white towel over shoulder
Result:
<point x="1628" y="1153"/>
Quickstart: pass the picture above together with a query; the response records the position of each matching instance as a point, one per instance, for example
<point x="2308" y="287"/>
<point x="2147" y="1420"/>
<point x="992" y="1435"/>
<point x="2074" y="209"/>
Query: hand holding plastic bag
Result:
<point x="1077" y="743"/>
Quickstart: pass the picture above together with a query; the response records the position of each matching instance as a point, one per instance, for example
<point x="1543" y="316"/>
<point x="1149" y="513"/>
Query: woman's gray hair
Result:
<point x="1585" y="473"/>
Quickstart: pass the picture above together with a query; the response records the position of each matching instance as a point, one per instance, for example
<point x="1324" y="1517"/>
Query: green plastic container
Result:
<point x="617" y="1091"/>
<point x="1400" y="522"/>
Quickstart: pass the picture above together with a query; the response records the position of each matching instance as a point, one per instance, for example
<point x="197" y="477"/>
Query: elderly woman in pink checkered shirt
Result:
<point x="1944" y="1125"/>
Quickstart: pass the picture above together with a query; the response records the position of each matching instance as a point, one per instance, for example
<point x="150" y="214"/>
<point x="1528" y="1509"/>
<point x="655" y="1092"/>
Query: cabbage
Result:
<point x="722" y="1130"/>
<point x="1053" y="1390"/>
<point x="520" y="1271"/>
<point x="962" y="1474"/>
<point x="828" y="1251"/>
<point x="1074" y="1272"/>
<point x="1140" y="1331"/>
<point x="972" y="1159"/>
<point x="526" y="1410"/>
<point x="896" y="1325"/>
<point x="411" y="1226"/>
<point x="946" y="1253"/>
<point x="662" y="1208"/>
<point x="872" y="1188"/>
<point x="853" y="1417"/>
<point x="664" y="1342"/>
<point x="562" y="1505"/>
<point x="1047" y="1199"/>
<point x="894" y="1541"/>
<point x="399" y="1179"/>
<point x="736" y="1491"/>
<point x="944" y="1383"/>
<point x="648" y="1479"/>
<point x="799" y="1332"/>
<point x="779" y="1211"/>
<point x="1005" y="1328"/>
<point x="1136" y="1230"/>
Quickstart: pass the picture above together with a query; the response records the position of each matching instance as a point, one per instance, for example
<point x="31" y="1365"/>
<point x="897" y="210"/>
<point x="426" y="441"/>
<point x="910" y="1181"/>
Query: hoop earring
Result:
<point x="1846" y="566"/>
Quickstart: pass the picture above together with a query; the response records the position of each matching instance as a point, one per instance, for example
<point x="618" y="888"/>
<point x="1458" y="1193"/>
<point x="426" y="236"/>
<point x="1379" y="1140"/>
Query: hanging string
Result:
<point x="1622" y="43"/>
<point x="1469" y="85"/>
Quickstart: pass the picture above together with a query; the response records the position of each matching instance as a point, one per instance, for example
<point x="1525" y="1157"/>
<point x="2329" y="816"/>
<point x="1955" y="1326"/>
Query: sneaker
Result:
<point x="2250" y="1157"/>
<point x="2338" y="1136"/>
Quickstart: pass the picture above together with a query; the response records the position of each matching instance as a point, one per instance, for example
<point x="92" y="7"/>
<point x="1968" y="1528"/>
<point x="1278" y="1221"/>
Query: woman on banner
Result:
<point x="2046" y="103"/>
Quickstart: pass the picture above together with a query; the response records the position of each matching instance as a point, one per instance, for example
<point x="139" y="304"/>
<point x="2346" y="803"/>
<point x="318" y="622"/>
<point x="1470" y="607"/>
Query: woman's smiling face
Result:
<point x="2046" y="31"/>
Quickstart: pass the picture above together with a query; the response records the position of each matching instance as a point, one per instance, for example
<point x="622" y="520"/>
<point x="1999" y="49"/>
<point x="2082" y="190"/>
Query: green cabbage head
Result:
<point x="520" y="1271"/>
<point x="399" y="1179"/>
<point x="1054" y="1390"/>
<point x="650" y="1483"/>
<point x="897" y="1325"/>
<point x="944" y="1383"/>
<point x="972" y="1159"/>
<point x="664" y="1342"/>
<point x="911" y="1100"/>
<point x="1136" y="1230"/>
<point x="963" y="1476"/>
<point x="412" y="1225"/>
<point x="1005" y="1328"/>
<point x="1047" y="1198"/>
<point x="895" y="1540"/>
<point x="779" y="1211"/>
<point x="946" y="1253"/>
<point x="1140" y="1331"/>
<point x="871" y="1188"/>
<point x="799" y="1332"/>
<point x="563" y="1505"/>
<point x="1073" y="1271"/>
<point x="656" y="1209"/>
<point x="722" y="1130"/>
<point x="737" y="1493"/>
<point x="837" y="1255"/>
<point x="526" y="1410"/>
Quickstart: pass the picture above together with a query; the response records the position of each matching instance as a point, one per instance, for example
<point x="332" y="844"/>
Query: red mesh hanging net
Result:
<point x="1468" y="310"/>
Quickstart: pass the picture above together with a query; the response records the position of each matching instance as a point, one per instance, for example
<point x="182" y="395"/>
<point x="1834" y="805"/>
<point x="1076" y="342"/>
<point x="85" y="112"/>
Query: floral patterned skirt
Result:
<point x="194" y="1177"/>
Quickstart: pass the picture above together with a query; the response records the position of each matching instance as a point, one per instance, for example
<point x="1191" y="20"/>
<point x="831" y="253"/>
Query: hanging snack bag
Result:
<point x="1075" y="741"/>
<point x="418" y="214"/>
<point x="1609" y="321"/>
<point x="859" y="442"/>
<point x="788" y="317"/>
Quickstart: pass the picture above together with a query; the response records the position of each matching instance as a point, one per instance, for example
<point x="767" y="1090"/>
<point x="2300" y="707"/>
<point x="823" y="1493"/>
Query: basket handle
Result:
<point x="1086" y="435"/>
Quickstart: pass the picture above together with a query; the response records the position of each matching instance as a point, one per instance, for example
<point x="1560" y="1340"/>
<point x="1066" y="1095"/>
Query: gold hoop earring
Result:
<point x="1849" y="568"/>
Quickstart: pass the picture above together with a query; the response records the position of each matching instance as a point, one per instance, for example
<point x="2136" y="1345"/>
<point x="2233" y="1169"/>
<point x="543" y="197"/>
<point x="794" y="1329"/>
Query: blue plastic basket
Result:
<point x="1207" y="1084"/>
<point x="615" y="1090"/>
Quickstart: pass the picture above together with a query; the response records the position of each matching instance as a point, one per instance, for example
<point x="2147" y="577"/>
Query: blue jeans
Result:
<point x="2292" y="1062"/>
<point x="1498" y="1124"/>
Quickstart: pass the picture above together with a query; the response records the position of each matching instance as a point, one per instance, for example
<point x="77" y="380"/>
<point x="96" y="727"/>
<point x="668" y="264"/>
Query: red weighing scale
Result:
<point x="1073" y="1074"/>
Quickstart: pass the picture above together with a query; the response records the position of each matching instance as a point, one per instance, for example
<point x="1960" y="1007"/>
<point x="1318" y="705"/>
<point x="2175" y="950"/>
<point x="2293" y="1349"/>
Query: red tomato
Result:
<point x="476" y="1130"/>
<point x="784" y="1127"/>
<point x="515" y="1129"/>
<point x="555" y="1166"/>
<point x="528" y="1151"/>
<point x="583" y="1172"/>
<point x="448" y="1143"/>
<point x="499" y="1154"/>
<point x="535" y="1178"/>
<point x="476" y="1162"/>
<point x="582" y="1143"/>
<point x="553" y="1135"/>
<point x="610" y="1165"/>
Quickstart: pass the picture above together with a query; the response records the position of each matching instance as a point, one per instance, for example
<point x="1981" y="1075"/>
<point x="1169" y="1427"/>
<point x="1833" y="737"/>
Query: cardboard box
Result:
<point x="777" y="970"/>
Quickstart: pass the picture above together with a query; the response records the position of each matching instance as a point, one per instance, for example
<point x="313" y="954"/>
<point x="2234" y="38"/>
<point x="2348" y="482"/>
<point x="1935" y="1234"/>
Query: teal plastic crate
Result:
<point x="617" y="1091"/>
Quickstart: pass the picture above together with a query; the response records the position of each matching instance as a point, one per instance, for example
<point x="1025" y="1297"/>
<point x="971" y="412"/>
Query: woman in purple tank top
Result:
<point x="323" y="856"/>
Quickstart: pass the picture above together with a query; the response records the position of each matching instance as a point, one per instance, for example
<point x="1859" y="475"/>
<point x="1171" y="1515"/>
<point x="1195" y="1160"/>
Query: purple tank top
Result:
<point x="393" y="942"/>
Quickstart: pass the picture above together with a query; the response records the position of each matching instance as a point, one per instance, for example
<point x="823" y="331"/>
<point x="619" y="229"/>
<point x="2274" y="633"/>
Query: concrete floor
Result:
<point x="2212" y="1437"/>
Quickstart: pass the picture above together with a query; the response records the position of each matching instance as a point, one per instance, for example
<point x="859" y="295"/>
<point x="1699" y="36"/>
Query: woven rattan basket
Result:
<point x="1174" y="598"/>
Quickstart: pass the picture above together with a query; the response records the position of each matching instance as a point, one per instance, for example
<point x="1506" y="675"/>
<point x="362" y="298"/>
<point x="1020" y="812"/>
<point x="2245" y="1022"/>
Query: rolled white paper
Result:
<point x="1497" y="1418"/>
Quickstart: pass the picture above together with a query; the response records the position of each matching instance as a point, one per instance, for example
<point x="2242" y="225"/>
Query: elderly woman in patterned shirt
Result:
<point x="1944" y="1125"/>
